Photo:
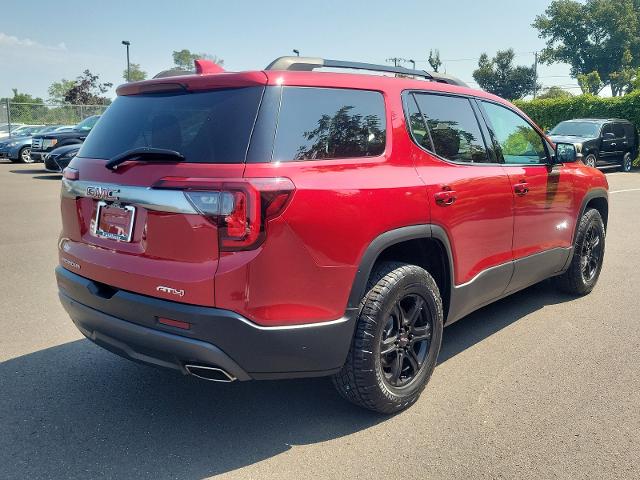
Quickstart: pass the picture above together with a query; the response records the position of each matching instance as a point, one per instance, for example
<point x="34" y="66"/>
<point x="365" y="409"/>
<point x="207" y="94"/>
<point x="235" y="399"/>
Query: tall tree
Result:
<point x="600" y="36"/>
<point x="59" y="90"/>
<point x="135" y="73"/>
<point x="183" y="59"/>
<point x="590" y="83"/>
<point x="87" y="90"/>
<point x="434" y="59"/>
<point x="499" y="76"/>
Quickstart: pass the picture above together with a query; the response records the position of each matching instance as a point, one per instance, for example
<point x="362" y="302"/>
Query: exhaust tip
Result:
<point x="212" y="374"/>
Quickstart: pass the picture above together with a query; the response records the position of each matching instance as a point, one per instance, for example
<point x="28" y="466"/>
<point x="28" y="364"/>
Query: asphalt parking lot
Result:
<point x="539" y="385"/>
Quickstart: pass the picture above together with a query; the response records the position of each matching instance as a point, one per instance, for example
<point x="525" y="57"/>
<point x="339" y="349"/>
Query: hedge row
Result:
<point x="549" y="112"/>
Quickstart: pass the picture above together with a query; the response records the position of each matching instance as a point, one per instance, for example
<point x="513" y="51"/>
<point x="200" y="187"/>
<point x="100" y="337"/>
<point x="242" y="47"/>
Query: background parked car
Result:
<point x="4" y="129"/>
<point x="604" y="142"/>
<point x="58" y="159"/>
<point x="18" y="147"/>
<point x="45" y="143"/>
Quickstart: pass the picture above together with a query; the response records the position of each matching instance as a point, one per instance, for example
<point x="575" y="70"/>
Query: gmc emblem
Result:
<point x="102" y="193"/>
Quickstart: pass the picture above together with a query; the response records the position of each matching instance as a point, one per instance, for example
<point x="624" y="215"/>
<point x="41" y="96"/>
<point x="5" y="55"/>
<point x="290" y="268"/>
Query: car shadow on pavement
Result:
<point x="76" y="411"/>
<point x="29" y="171"/>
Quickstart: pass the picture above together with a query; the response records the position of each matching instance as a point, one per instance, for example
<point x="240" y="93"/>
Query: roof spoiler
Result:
<point x="307" y="64"/>
<point x="202" y="66"/>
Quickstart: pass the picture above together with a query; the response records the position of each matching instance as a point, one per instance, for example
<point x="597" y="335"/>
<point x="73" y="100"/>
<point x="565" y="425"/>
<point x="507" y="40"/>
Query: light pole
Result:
<point x="413" y="62"/>
<point x="126" y="43"/>
<point x="297" y="52"/>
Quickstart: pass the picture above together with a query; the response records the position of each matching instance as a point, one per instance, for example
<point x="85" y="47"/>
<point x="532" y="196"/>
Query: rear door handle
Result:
<point x="445" y="198"/>
<point x="521" y="188"/>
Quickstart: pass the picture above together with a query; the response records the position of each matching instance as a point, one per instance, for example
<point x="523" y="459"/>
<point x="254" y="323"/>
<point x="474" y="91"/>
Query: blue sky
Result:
<point x="249" y="34"/>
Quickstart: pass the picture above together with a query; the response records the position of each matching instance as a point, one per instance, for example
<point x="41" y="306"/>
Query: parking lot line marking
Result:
<point x="627" y="190"/>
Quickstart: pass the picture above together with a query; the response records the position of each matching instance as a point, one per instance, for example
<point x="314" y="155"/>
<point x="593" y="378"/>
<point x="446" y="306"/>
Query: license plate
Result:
<point x="114" y="222"/>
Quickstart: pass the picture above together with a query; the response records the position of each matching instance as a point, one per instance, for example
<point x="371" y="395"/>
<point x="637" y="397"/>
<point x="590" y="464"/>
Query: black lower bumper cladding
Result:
<point x="127" y="324"/>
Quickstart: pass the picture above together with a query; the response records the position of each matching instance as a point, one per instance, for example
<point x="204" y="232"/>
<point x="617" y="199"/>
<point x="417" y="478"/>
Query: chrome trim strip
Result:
<point x="172" y="201"/>
<point x="302" y="326"/>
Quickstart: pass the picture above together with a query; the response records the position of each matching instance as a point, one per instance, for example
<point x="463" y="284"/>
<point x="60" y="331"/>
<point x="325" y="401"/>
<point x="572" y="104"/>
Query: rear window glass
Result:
<point x="325" y="123"/>
<point x="206" y="127"/>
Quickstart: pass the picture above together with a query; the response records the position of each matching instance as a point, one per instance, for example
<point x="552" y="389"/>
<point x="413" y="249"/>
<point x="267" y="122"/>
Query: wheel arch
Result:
<point x="424" y="245"/>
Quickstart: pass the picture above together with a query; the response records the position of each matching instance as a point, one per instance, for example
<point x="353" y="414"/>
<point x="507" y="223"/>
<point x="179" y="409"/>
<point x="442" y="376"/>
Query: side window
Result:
<point x="453" y="127"/>
<point x="416" y="124"/>
<point x="519" y="142"/>
<point x="618" y="130"/>
<point x="326" y="123"/>
<point x="608" y="128"/>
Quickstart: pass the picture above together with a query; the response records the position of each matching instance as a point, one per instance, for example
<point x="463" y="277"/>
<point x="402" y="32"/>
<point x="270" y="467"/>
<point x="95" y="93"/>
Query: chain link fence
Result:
<point x="14" y="113"/>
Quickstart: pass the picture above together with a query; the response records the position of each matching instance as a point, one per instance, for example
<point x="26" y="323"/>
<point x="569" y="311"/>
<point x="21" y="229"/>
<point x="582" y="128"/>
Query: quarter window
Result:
<point x="452" y="126"/>
<point x="519" y="142"/>
<point x="326" y="123"/>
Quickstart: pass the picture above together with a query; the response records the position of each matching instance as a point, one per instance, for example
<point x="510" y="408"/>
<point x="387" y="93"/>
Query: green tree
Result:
<point x="590" y="83"/>
<point x="600" y="36"/>
<point x="87" y="90"/>
<point x="500" y="77"/>
<point x="434" y="59"/>
<point x="555" y="92"/>
<point x="183" y="59"/>
<point x="58" y="90"/>
<point x="23" y="97"/>
<point x="136" y="73"/>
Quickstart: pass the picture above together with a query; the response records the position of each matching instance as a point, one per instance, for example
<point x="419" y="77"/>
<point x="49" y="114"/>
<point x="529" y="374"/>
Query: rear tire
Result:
<point x="627" y="162"/>
<point x="588" y="256"/>
<point x="24" y="155"/>
<point x="397" y="340"/>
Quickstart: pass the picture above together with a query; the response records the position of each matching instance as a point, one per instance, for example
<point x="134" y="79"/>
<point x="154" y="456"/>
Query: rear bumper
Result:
<point x="127" y="324"/>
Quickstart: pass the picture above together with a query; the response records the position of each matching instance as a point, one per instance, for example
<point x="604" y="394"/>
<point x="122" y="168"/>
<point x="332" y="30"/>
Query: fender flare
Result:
<point x="388" y="239"/>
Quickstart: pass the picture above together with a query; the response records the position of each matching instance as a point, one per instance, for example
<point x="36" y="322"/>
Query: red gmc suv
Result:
<point x="290" y="223"/>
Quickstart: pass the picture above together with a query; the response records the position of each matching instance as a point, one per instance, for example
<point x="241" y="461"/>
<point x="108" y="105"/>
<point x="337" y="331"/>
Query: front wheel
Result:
<point x="588" y="256"/>
<point x="627" y="162"/>
<point x="397" y="340"/>
<point x="25" y="155"/>
<point x="591" y="160"/>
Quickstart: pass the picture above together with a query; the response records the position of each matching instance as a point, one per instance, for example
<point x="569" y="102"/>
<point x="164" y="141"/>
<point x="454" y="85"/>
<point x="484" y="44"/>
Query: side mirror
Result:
<point x="566" y="153"/>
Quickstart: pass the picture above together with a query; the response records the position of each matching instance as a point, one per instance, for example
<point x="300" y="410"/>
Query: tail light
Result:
<point x="239" y="208"/>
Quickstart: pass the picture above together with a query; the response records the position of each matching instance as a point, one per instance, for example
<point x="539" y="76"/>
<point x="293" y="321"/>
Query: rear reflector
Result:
<point x="174" y="323"/>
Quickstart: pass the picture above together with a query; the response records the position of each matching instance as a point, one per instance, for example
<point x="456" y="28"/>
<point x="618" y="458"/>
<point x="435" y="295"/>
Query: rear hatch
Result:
<point x="151" y="224"/>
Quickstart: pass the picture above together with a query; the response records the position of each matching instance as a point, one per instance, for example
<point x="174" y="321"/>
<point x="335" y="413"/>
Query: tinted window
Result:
<point x="618" y="130"/>
<point x="519" y="142"/>
<point x="577" y="129"/>
<point x="416" y="124"/>
<point x="206" y="127"/>
<point x="608" y="128"/>
<point x="325" y="123"/>
<point x="453" y="127"/>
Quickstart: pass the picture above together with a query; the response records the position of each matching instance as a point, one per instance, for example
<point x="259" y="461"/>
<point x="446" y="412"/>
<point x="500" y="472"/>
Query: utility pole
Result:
<point x="296" y="51"/>
<point x="395" y="60"/>
<point x="126" y="43"/>
<point x="413" y="62"/>
<point x="535" y="69"/>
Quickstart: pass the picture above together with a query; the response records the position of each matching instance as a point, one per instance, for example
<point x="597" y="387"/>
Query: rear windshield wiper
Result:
<point x="145" y="154"/>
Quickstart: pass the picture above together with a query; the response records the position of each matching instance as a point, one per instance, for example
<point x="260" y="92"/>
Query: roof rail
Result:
<point x="308" y="64"/>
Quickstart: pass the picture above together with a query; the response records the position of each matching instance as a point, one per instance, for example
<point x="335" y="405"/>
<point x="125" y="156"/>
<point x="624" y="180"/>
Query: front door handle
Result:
<point x="521" y="188"/>
<point x="445" y="198"/>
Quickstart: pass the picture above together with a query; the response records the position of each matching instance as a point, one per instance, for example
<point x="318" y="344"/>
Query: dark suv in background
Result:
<point x="603" y="142"/>
<point x="45" y="143"/>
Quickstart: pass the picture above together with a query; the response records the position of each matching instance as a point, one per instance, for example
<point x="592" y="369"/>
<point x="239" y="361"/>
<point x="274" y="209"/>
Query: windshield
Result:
<point x="205" y="127"/>
<point x="577" y="129"/>
<point x="87" y="124"/>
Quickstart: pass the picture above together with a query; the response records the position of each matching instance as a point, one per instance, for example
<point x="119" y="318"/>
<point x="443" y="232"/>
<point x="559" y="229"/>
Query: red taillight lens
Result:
<point x="239" y="208"/>
<point x="71" y="173"/>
